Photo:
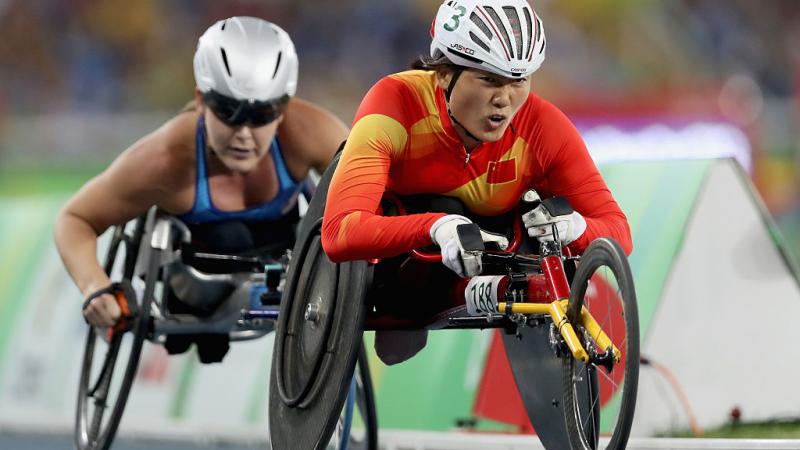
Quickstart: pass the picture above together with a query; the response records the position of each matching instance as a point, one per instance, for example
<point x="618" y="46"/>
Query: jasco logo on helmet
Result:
<point x="505" y="37"/>
<point x="462" y="49"/>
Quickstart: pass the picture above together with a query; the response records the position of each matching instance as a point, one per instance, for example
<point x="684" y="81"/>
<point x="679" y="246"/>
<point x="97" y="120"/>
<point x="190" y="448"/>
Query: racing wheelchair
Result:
<point x="570" y="327"/>
<point x="235" y="296"/>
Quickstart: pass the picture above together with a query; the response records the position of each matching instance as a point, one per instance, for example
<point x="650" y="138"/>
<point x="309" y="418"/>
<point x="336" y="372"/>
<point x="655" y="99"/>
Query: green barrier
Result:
<point x="25" y="238"/>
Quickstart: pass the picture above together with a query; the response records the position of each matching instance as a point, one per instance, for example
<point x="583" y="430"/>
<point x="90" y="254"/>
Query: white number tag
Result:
<point x="481" y="295"/>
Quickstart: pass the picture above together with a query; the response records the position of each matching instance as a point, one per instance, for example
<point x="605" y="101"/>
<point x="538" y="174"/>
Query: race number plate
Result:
<point x="481" y="295"/>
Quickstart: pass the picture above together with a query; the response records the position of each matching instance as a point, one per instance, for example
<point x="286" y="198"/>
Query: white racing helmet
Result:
<point x="246" y="58"/>
<point x="504" y="37"/>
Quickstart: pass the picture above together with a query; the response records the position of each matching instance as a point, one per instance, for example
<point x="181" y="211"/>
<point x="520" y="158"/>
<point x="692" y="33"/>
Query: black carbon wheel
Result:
<point x="604" y="285"/>
<point x="317" y="337"/>
<point x="109" y="364"/>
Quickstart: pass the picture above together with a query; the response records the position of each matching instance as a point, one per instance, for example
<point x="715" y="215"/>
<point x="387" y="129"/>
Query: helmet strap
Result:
<point x="456" y="73"/>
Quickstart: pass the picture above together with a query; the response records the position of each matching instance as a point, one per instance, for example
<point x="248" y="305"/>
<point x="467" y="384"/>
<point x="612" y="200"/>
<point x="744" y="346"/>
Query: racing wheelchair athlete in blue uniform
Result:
<point x="210" y="198"/>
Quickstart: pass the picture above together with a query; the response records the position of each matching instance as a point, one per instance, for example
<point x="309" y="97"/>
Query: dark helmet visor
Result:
<point x="235" y="113"/>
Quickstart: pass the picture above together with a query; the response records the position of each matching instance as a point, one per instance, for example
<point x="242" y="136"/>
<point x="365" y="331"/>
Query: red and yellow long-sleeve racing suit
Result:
<point x="403" y="142"/>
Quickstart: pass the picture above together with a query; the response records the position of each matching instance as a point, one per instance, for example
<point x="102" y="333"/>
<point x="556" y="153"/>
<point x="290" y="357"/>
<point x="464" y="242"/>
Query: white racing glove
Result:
<point x="463" y="262"/>
<point x="569" y="224"/>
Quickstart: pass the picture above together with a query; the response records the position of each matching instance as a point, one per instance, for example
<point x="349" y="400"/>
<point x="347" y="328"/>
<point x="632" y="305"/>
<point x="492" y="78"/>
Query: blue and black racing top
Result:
<point x="203" y="211"/>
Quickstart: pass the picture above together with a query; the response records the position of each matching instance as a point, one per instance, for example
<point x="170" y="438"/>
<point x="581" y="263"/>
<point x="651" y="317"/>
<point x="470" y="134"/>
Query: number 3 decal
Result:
<point x="456" y="19"/>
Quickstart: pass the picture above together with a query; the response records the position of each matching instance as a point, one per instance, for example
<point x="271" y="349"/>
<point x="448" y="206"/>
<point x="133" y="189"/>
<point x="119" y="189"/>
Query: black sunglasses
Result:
<point x="234" y="112"/>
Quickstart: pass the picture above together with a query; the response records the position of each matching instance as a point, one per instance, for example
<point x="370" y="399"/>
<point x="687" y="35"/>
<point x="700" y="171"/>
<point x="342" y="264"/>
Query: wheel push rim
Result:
<point x="604" y="287"/>
<point x="102" y="389"/>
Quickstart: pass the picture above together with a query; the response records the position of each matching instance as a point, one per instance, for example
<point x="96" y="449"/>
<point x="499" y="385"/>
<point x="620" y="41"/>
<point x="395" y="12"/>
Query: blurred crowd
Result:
<point x="735" y="60"/>
<point x="116" y="55"/>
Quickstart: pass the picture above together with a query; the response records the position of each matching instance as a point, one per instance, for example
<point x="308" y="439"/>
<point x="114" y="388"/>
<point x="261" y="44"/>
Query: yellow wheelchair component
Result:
<point x="557" y="311"/>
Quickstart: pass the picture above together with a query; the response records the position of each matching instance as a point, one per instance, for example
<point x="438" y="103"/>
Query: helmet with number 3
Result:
<point x="504" y="37"/>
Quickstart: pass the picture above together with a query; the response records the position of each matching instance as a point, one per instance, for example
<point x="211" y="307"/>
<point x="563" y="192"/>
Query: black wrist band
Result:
<point x="106" y="290"/>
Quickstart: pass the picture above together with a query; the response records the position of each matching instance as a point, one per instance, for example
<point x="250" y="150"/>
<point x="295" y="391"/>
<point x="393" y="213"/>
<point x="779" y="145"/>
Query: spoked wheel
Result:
<point x="357" y="428"/>
<point x="110" y="359"/>
<point x="600" y="396"/>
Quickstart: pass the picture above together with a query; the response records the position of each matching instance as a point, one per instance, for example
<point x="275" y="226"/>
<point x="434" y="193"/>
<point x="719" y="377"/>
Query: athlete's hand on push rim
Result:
<point x="454" y="257"/>
<point x="102" y="311"/>
<point x="539" y="223"/>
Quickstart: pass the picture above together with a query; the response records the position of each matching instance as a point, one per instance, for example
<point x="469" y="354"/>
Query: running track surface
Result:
<point x="391" y="440"/>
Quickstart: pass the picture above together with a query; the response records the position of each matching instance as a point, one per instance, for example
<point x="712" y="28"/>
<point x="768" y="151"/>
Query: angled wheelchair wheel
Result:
<point x="365" y="406"/>
<point x="600" y="396"/>
<point x="357" y="428"/>
<point x="317" y="337"/>
<point x="110" y="361"/>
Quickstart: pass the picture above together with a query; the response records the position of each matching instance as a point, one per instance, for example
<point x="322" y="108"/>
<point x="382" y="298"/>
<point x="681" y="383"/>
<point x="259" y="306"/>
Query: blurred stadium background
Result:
<point x="80" y="80"/>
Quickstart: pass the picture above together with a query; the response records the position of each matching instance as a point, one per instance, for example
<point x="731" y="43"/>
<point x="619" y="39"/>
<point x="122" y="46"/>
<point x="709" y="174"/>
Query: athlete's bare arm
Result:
<point x="312" y="133"/>
<point x="148" y="173"/>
